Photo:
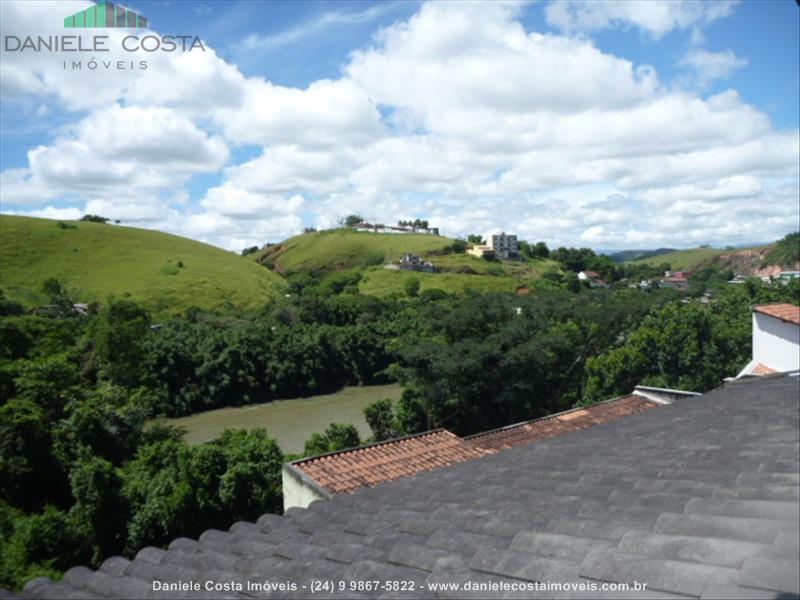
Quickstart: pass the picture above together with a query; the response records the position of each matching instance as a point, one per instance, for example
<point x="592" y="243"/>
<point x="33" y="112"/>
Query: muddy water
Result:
<point x="291" y="422"/>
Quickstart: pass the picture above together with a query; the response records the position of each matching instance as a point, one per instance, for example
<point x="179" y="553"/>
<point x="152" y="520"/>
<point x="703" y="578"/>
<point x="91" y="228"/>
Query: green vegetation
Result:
<point x="87" y="468"/>
<point x="382" y="282"/>
<point x="94" y="261"/>
<point x="337" y="436"/>
<point x="686" y="260"/>
<point x="786" y="252"/>
<point x="339" y="249"/>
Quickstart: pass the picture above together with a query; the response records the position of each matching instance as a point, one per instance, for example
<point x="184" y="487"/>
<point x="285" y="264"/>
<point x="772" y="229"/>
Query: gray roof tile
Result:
<point x="699" y="498"/>
<point x="666" y="575"/>
<point x="781" y="575"/>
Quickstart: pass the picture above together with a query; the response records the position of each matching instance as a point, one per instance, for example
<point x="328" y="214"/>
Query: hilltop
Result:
<point x="366" y="254"/>
<point x="164" y="272"/>
<point x="692" y="258"/>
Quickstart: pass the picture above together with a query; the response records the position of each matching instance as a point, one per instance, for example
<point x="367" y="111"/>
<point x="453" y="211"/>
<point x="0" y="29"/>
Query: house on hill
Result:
<point x="480" y="251"/>
<point x="398" y="229"/>
<point x="412" y="262"/>
<point x="593" y="278"/>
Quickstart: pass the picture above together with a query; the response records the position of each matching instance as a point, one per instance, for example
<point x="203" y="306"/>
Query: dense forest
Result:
<point x="86" y="472"/>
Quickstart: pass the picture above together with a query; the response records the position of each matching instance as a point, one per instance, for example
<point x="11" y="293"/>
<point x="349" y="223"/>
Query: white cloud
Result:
<point x="711" y="66"/>
<point x="655" y="17"/>
<point x="485" y="126"/>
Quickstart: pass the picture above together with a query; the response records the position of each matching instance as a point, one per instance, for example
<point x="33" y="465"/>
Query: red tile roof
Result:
<point x="559" y="424"/>
<point x="785" y="312"/>
<point x="346" y="471"/>
<point x="762" y="369"/>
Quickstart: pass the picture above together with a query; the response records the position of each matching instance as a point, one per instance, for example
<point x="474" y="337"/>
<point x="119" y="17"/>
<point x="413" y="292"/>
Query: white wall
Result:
<point x="776" y="343"/>
<point x="297" y="492"/>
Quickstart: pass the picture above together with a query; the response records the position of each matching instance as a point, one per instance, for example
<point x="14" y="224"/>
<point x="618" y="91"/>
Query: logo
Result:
<point x="105" y="14"/>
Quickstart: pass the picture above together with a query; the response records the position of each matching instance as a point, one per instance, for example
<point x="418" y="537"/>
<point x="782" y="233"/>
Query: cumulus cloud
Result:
<point x="458" y="115"/>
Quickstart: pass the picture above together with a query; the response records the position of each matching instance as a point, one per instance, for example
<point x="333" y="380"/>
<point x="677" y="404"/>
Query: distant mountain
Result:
<point x="165" y="273"/>
<point x="629" y="255"/>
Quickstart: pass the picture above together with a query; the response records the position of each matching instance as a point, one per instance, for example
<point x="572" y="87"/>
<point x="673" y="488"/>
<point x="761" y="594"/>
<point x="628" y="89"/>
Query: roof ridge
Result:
<point x="546" y="417"/>
<point x="309" y="459"/>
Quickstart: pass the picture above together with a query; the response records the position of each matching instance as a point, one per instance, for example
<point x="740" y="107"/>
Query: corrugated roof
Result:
<point x="344" y="472"/>
<point x="559" y="424"/>
<point x="785" y="312"/>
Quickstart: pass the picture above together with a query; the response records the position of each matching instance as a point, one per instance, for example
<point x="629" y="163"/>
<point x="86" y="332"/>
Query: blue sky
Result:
<point x="308" y="110"/>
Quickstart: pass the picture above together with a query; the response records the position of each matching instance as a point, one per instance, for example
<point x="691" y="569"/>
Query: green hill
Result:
<point x="339" y="250"/>
<point x="165" y="273"/>
<point x="690" y="259"/>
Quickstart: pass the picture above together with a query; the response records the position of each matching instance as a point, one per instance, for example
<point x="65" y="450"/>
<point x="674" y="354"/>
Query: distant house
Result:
<point x="412" y="262"/>
<point x="593" y="278"/>
<point x="677" y="280"/>
<point x="505" y="245"/>
<point x="787" y="276"/>
<point x="776" y="340"/>
<point x="381" y="228"/>
<point x="482" y="251"/>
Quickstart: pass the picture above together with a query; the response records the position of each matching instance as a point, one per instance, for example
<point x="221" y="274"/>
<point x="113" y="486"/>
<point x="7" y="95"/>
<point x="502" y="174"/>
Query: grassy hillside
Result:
<point x="338" y="249"/>
<point x="164" y="272"/>
<point x="346" y="250"/>
<point x="687" y="260"/>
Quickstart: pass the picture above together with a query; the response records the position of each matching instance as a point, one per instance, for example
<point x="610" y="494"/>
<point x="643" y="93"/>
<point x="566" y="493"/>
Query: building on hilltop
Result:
<point x="505" y="245"/>
<point x="776" y="340"/>
<point x="381" y="228"/>
<point x="412" y="262"/>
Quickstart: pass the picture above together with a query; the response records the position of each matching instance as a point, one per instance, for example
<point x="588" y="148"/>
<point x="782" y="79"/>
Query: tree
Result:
<point x="95" y="219"/>
<point x="474" y="238"/>
<point x="118" y="339"/>
<point x="251" y="484"/>
<point x="353" y="220"/>
<point x="411" y="287"/>
<point x="541" y="250"/>
<point x="249" y="250"/>
<point x="458" y="247"/>
<point x="54" y="289"/>
<point x="337" y="436"/>
<point x="30" y="476"/>
<point x="381" y="420"/>
<point x="100" y="513"/>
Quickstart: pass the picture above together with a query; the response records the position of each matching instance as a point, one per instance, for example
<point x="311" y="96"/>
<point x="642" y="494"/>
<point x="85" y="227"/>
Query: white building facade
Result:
<point x="776" y="340"/>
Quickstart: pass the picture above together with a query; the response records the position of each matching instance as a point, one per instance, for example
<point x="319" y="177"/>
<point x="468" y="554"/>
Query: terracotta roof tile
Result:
<point x="349" y="470"/>
<point x="762" y="369"/>
<point x="785" y="312"/>
<point x="554" y="425"/>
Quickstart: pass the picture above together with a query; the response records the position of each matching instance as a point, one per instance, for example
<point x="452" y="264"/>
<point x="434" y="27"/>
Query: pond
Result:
<point x="291" y="422"/>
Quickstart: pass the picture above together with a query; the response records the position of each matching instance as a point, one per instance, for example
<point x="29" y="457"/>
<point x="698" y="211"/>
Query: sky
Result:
<point x="604" y="124"/>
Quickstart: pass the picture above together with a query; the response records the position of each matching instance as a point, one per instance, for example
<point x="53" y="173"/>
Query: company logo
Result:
<point x="105" y="14"/>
